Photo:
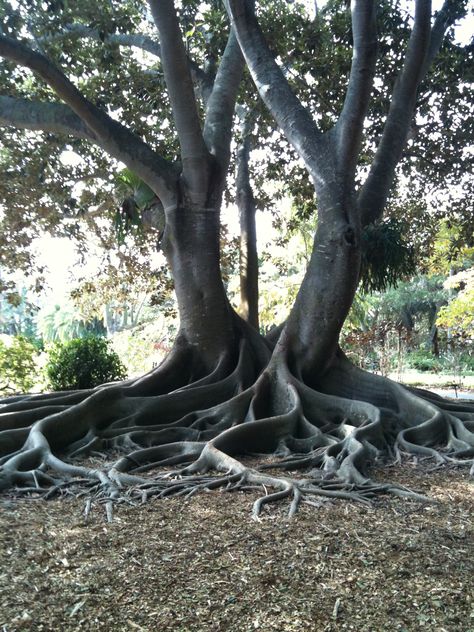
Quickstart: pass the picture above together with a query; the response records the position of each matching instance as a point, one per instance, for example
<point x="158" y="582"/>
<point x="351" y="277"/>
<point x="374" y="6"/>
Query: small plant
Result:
<point x="83" y="363"/>
<point x="17" y="365"/>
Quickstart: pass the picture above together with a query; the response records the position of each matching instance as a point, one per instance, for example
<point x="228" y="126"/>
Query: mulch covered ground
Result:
<point x="205" y="564"/>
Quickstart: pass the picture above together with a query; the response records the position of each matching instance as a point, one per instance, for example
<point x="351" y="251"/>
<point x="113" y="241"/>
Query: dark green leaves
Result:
<point x="386" y="256"/>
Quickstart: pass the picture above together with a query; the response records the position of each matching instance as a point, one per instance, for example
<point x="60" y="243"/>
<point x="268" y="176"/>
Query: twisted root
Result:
<point x="202" y="423"/>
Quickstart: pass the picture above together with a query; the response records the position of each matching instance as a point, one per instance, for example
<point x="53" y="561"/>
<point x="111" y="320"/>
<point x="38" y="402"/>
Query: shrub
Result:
<point x="467" y="362"/>
<point x="83" y="363"/>
<point x="423" y="361"/>
<point x="17" y="365"/>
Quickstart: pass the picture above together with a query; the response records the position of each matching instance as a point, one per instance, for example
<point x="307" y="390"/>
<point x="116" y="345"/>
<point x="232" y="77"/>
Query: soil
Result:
<point x="204" y="564"/>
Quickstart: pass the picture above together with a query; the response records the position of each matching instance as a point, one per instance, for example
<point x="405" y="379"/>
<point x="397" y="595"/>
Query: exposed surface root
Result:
<point x="201" y="423"/>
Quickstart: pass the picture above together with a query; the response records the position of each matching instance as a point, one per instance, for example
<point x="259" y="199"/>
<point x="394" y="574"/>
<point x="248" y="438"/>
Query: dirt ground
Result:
<point x="204" y="564"/>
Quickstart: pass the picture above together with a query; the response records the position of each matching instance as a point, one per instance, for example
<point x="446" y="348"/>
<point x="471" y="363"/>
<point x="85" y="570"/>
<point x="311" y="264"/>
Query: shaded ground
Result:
<point x="205" y="565"/>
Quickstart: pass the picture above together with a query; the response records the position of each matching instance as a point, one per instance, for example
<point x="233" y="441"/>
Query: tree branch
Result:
<point x="221" y="104"/>
<point x="47" y="117"/>
<point x="445" y="17"/>
<point x="79" y="31"/>
<point x="194" y="153"/>
<point x="136" y="40"/>
<point x="373" y="194"/>
<point x="115" y="138"/>
<point x="293" y="119"/>
<point x="350" y="125"/>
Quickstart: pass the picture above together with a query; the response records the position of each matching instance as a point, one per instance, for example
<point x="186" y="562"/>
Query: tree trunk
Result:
<point x="248" y="237"/>
<point x="218" y="395"/>
<point x="310" y="338"/>
<point x="191" y="246"/>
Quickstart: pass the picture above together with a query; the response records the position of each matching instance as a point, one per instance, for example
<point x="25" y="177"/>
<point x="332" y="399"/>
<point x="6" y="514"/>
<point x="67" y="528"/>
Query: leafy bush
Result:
<point x="83" y="363"/>
<point x="423" y="361"/>
<point x="458" y="362"/>
<point x="17" y="365"/>
<point x="467" y="362"/>
<point x="458" y="316"/>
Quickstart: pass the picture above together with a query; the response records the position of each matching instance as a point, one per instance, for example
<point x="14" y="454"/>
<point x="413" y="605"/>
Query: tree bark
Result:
<point x="311" y="335"/>
<point x="219" y="394"/>
<point x="248" y="234"/>
<point x="191" y="246"/>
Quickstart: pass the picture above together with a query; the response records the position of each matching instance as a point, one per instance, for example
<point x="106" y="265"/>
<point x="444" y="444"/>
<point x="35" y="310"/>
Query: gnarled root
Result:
<point x="203" y="422"/>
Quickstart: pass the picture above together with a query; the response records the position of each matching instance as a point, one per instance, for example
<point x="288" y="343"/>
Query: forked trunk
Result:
<point x="310" y="338"/>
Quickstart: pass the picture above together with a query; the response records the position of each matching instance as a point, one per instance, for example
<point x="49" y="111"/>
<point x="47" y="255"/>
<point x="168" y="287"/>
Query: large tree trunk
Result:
<point x="219" y="395"/>
<point x="191" y="245"/>
<point x="311" y="335"/>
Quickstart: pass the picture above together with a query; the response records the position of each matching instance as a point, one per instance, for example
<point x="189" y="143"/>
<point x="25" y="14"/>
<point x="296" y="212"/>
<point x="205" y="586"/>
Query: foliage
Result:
<point x="452" y="247"/>
<point x="83" y="363"/>
<point x="17" y="365"/>
<point x="65" y="186"/>
<point x="59" y="323"/>
<point x="17" y="313"/>
<point x="386" y="256"/>
<point x="385" y="331"/>
<point x="41" y="189"/>
<point x="144" y="346"/>
<point x="458" y="315"/>
<point x="412" y="300"/>
<point x="423" y="361"/>
<point x="140" y="208"/>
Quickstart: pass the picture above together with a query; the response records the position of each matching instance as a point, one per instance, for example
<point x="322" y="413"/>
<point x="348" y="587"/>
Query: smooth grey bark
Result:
<point x="220" y="105"/>
<point x="350" y="125"/>
<point x="191" y="240"/>
<point x="248" y="233"/>
<point x="310" y="338"/>
<point x="374" y="193"/>
<point x="311" y="334"/>
<point x="47" y="117"/>
<point x="307" y="405"/>
<point x="294" y="120"/>
<point x="423" y="46"/>
<point x="195" y="156"/>
<point x="191" y="246"/>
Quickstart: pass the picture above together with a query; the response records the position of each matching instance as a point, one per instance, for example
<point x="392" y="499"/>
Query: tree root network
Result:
<point x="176" y="432"/>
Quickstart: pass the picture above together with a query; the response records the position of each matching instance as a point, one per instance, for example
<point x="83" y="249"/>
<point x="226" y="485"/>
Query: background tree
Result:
<point x="223" y="390"/>
<point x="17" y="365"/>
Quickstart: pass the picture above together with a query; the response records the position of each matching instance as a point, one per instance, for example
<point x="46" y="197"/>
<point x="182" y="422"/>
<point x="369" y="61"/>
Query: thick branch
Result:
<point x="136" y="40"/>
<point x="351" y="122"/>
<point x="221" y="104"/>
<point x="374" y="193"/>
<point x="180" y="88"/>
<point x="293" y="119"/>
<point x="47" y="117"/>
<point x="79" y="31"/>
<point x="116" y="139"/>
